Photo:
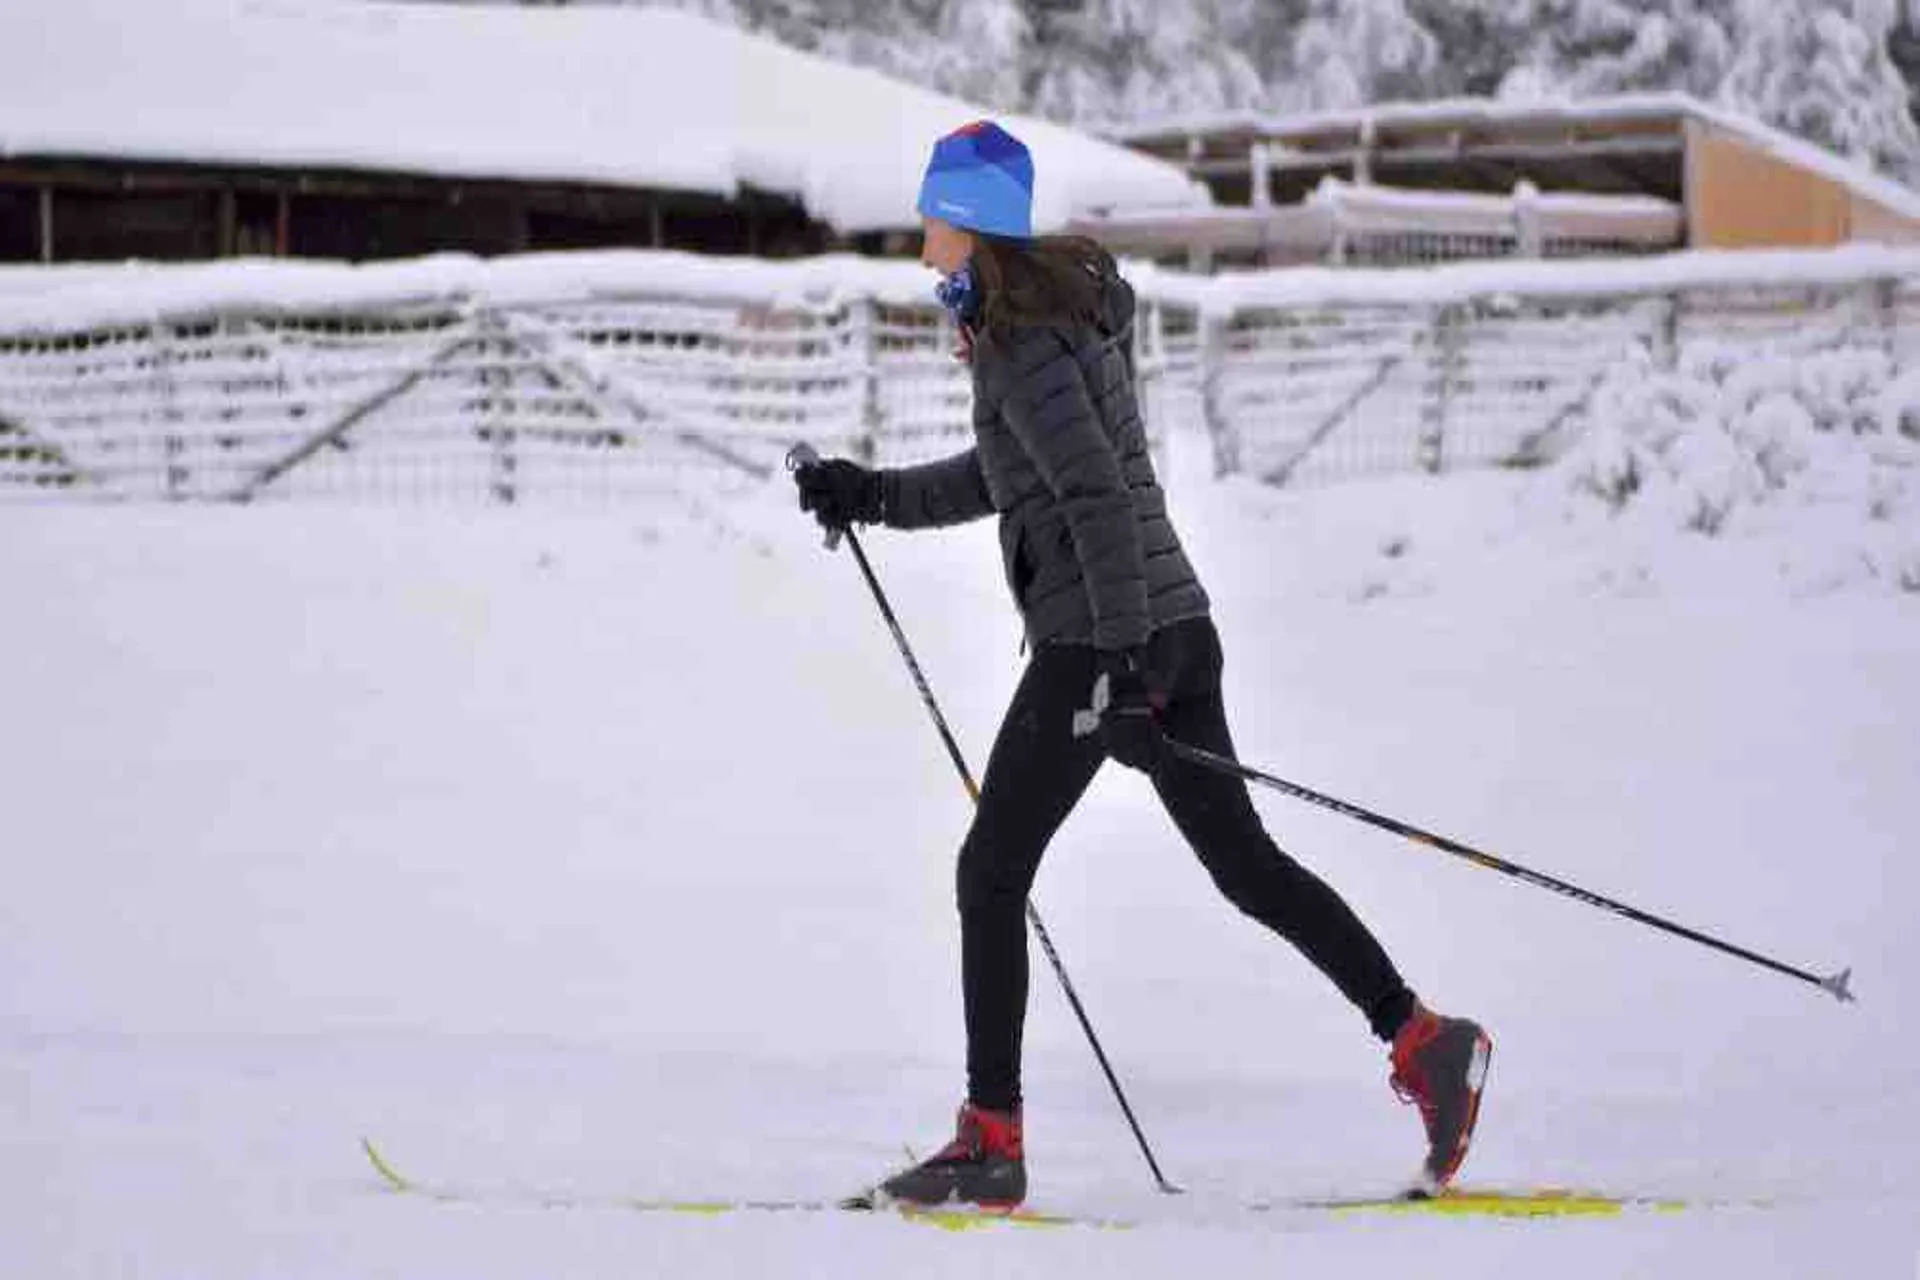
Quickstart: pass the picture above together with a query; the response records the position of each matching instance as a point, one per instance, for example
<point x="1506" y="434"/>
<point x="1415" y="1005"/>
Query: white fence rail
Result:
<point x="603" y="377"/>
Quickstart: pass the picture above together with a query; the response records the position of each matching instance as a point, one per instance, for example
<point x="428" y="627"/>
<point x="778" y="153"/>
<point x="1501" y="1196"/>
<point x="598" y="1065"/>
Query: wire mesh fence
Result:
<point x="569" y="400"/>
<point x="1307" y="389"/>
<point x="576" y="394"/>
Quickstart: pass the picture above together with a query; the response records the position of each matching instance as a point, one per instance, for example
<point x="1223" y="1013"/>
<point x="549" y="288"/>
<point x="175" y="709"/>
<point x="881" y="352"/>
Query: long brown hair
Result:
<point x="1050" y="280"/>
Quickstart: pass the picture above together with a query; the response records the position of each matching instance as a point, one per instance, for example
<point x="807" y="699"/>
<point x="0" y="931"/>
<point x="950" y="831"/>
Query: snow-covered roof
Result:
<point x="1468" y="112"/>
<point x="1465" y="111"/>
<point x="617" y="96"/>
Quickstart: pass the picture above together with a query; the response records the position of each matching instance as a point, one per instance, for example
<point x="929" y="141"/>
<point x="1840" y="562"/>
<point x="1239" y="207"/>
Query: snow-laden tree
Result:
<point x="1903" y="46"/>
<point x="1107" y="61"/>
<point x="1821" y="69"/>
<point x="982" y="46"/>
<point x="1583" y="48"/>
<point x="1478" y="41"/>
<point x="969" y="48"/>
<point x="1349" y="52"/>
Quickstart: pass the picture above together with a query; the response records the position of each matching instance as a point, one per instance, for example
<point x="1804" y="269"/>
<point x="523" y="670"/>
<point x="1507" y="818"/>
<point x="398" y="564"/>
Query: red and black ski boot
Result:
<point x="984" y="1165"/>
<point x="1440" y="1065"/>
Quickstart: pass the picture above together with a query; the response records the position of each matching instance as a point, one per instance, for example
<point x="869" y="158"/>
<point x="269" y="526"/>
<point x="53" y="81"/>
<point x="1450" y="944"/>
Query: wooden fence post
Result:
<point x="1213" y="370"/>
<point x="497" y="408"/>
<point x="1449" y="361"/>
<point x="1666" y="335"/>
<point x="864" y="338"/>
<point x="1529" y="232"/>
<point x="1887" y="312"/>
<point x="1148" y="352"/>
<point x="173" y="472"/>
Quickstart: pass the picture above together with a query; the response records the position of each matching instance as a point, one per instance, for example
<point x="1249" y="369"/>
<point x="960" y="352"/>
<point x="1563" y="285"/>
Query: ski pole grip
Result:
<point x="805" y="455"/>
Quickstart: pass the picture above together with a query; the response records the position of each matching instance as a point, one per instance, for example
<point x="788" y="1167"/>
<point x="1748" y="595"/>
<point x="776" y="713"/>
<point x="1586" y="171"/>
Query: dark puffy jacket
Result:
<point x="1061" y="454"/>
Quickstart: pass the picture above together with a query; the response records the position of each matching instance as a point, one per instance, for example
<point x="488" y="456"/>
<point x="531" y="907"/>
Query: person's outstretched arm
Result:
<point x="935" y="494"/>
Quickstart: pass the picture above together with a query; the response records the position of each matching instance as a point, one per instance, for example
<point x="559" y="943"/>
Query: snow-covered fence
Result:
<point x="1318" y="374"/>
<point x="564" y="377"/>
<point x="594" y="376"/>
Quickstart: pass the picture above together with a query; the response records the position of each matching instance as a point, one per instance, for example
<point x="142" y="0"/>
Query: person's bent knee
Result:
<point x="982" y="889"/>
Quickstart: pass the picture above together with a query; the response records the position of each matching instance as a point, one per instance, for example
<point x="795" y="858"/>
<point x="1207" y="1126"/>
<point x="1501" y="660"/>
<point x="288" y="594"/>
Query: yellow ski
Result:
<point x="954" y="1219"/>
<point x="1457" y="1202"/>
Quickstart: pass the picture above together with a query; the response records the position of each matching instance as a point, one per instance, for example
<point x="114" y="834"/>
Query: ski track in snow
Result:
<point x="612" y="856"/>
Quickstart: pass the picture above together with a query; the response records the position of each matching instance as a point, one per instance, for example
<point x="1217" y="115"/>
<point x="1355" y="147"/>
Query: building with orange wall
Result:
<point x="1473" y="178"/>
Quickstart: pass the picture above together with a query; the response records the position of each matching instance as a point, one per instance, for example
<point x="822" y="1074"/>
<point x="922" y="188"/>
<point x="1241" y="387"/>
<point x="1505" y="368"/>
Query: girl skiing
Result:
<point x="1108" y="597"/>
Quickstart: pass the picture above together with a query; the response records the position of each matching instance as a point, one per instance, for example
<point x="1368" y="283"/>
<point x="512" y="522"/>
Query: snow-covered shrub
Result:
<point x="1897" y="408"/>
<point x="1819" y="449"/>
<point x="1727" y="431"/>
<point x="1651" y="444"/>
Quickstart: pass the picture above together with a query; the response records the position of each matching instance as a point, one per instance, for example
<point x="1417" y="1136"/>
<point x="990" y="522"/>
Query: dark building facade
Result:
<point x="66" y="209"/>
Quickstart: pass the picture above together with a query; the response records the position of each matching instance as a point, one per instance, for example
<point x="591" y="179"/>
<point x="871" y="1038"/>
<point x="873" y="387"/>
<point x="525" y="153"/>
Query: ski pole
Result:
<point x="1836" y="985"/>
<point x="803" y="454"/>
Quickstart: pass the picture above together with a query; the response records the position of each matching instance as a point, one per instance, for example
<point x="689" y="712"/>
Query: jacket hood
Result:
<point x="1116" y="302"/>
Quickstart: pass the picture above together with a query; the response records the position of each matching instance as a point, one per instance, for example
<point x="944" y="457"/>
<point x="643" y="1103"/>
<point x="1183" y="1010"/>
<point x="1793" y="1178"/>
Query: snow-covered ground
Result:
<point x="612" y="855"/>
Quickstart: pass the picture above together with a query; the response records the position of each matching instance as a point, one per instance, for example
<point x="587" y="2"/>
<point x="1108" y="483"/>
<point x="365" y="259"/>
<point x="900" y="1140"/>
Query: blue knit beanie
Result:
<point x="980" y="178"/>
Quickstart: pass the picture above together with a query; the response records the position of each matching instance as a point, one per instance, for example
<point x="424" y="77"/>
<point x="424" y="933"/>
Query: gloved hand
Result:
<point x="1129" y="727"/>
<point x="838" y="493"/>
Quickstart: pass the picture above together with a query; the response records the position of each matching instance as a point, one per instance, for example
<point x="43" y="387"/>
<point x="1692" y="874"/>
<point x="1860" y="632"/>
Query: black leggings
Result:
<point x="1037" y="773"/>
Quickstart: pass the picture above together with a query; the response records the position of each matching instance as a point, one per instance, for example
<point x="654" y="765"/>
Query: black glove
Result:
<point x="838" y="493"/>
<point x="1129" y="728"/>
